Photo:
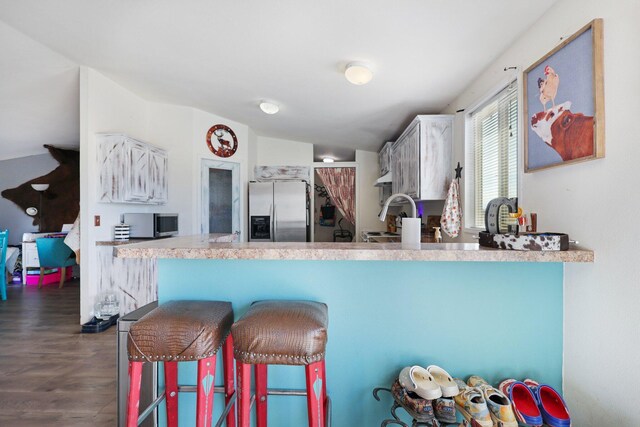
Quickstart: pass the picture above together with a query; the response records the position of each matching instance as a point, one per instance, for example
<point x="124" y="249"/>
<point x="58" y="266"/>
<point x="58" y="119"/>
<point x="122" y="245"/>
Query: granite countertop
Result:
<point x="120" y="242"/>
<point x="209" y="247"/>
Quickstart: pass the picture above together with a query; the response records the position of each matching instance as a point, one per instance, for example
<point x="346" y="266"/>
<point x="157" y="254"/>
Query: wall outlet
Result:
<point x="96" y="220"/>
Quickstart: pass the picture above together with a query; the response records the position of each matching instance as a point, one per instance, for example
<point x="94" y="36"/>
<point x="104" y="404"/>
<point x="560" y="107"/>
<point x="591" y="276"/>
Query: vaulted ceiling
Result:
<point x="226" y="56"/>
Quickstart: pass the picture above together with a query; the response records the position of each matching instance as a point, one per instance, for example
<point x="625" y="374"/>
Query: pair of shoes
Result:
<point x="535" y="404"/>
<point x="430" y="383"/>
<point x="471" y="403"/>
<point x="419" y="408"/>
<point x="498" y="404"/>
<point x="552" y="406"/>
<point x="434" y="384"/>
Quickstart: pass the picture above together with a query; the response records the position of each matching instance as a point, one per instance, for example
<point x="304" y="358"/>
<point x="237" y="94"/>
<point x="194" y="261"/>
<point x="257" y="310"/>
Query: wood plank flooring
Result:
<point x="50" y="373"/>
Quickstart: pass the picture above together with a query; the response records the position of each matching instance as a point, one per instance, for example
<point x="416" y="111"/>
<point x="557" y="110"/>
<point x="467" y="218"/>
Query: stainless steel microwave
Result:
<point x="151" y="225"/>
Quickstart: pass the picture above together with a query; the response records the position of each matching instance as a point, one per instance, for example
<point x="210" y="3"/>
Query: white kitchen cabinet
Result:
<point x="384" y="158"/>
<point x="133" y="280"/>
<point x="131" y="171"/>
<point x="421" y="158"/>
<point x="158" y="173"/>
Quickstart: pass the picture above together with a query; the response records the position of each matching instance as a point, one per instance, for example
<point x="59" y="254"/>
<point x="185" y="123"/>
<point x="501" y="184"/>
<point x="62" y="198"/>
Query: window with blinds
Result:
<point x="495" y="152"/>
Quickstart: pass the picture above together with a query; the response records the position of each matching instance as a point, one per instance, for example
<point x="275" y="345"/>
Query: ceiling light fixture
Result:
<point x="358" y="73"/>
<point x="269" y="107"/>
<point x="328" y="160"/>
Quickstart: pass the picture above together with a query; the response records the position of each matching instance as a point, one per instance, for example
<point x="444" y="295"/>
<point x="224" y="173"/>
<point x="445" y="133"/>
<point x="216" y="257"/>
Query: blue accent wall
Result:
<point x="497" y="320"/>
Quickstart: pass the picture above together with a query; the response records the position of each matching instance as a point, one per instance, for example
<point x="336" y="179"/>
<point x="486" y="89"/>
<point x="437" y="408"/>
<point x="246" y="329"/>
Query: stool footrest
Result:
<point x="189" y="389"/>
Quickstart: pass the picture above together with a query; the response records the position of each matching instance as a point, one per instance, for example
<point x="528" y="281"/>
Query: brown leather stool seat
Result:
<point x="180" y="331"/>
<point x="281" y="333"/>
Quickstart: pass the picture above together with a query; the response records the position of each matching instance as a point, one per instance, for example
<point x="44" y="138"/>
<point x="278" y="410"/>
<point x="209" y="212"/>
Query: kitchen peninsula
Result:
<point x="468" y="309"/>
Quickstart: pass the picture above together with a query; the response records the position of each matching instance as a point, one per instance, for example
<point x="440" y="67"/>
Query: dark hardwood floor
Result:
<point x="50" y="373"/>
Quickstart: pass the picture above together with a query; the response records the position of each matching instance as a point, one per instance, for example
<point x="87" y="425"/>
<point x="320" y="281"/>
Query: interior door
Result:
<point x="220" y="200"/>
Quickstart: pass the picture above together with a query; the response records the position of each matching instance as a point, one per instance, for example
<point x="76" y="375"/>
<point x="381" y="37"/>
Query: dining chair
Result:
<point x="4" y="241"/>
<point x="53" y="253"/>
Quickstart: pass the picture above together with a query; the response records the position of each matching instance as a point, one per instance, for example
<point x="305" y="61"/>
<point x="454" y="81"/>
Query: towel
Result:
<point x="73" y="238"/>
<point x="451" y="220"/>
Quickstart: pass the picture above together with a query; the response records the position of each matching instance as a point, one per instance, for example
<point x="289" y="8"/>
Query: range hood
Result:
<point x="384" y="179"/>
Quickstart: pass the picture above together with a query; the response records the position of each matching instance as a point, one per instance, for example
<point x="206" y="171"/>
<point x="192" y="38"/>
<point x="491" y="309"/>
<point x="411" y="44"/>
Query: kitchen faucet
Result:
<point x="411" y="234"/>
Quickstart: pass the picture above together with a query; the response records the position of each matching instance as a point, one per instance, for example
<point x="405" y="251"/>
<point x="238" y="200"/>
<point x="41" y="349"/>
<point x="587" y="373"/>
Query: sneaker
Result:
<point x="499" y="405"/>
<point x="472" y="405"/>
<point x="444" y="409"/>
<point x="554" y="409"/>
<point x="418" y="380"/>
<point x="420" y="409"/>
<point x="523" y="402"/>
<point x="444" y="380"/>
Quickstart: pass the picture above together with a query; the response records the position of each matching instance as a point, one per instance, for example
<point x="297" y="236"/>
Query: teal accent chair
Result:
<point x="53" y="253"/>
<point x="4" y="241"/>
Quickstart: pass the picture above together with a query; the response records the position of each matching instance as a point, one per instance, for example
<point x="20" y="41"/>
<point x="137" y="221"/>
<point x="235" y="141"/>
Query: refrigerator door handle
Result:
<point x="275" y="222"/>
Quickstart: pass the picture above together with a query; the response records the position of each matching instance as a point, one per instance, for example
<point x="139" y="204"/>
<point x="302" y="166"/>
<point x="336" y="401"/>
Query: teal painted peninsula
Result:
<point x="471" y="310"/>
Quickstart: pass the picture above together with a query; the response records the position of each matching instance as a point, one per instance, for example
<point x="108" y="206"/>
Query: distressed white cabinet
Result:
<point x="384" y="157"/>
<point x="158" y="183"/>
<point x="134" y="281"/>
<point x="131" y="171"/>
<point x="421" y="158"/>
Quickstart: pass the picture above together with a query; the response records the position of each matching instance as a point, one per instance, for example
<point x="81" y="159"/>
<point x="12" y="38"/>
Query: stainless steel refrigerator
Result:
<point x="278" y="211"/>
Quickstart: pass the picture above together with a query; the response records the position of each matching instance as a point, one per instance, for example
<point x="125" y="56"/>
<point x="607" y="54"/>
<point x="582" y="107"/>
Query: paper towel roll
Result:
<point x="411" y="234"/>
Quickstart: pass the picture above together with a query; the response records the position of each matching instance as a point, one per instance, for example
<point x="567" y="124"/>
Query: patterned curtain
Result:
<point x="341" y="184"/>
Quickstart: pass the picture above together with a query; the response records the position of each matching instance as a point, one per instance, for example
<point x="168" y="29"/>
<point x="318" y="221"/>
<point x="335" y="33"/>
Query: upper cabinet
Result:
<point x="384" y="157"/>
<point x="421" y="158"/>
<point x="131" y="171"/>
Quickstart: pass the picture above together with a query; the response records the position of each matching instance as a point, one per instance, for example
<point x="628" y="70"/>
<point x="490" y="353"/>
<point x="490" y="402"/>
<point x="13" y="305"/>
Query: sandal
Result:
<point x="418" y="380"/>
<point x="444" y="380"/>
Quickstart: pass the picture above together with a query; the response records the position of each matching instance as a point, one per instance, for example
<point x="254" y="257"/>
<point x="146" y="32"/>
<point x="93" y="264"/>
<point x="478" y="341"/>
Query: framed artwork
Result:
<point x="564" y="102"/>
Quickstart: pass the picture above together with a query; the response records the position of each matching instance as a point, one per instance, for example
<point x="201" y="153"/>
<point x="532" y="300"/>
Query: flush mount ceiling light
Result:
<point x="328" y="160"/>
<point x="269" y="107"/>
<point x="358" y="73"/>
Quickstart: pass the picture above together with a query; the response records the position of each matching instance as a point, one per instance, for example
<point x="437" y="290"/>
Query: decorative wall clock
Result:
<point x="227" y="142"/>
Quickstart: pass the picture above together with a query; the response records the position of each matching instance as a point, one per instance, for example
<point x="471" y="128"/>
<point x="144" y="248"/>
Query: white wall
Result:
<point x="106" y="106"/>
<point x="594" y="202"/>
<point x="368" y="196"/>
<point x="282" y="152"/>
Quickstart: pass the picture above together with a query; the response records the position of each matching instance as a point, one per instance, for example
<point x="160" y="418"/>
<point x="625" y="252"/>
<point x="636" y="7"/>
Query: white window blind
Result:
<point x="495" y="148"/>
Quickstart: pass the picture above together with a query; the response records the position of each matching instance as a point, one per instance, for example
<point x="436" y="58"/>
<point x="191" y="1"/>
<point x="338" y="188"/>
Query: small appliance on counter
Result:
<point x="151" y="225"/>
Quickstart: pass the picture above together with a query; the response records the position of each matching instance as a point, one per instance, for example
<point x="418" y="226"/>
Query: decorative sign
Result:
<point x="227" y="142"/>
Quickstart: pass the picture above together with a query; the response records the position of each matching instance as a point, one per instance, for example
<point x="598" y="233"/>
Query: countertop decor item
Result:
<point x="564" y="102"/>
<point x="526" y="241"/>
<point x="224" y="147"/>
<point x="121" y="232"/>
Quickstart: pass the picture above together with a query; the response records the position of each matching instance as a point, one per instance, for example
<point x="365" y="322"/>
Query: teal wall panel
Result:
<point x="496" y="320"/>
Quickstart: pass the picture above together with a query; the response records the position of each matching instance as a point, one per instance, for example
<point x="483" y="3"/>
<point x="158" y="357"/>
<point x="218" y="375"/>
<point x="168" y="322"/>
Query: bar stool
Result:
<point x="281" y="333"/>
<point x="183" y="331"/>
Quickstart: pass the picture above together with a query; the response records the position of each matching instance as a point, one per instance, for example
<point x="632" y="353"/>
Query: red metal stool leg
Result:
<point x="205" y="385"/>
<point x="244" y="394"/>
<point x="171" y="392"/>
<point x="229" y="379"/>
<point x="261" y="395"/>
<point x="133" y="401"/>
<point x="315" y="393"/>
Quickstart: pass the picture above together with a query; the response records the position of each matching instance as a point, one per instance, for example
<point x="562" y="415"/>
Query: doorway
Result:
<point x="220" y="199"/>
<point x="334" y="220"/>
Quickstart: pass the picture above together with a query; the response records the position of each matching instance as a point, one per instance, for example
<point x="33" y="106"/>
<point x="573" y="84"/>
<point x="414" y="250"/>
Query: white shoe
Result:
<point x="419" y="380"/>
<point x="444" y="380"/>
